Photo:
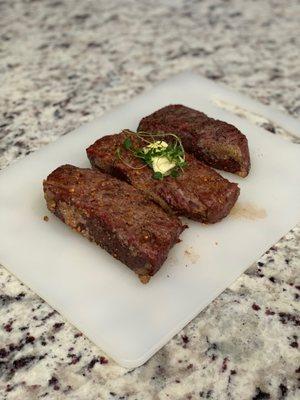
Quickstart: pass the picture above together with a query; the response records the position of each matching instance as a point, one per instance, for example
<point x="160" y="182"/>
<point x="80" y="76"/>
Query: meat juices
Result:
<point x="216" y="143"/>
<point x="199" y="192"/>
<point x="115" y="215"/>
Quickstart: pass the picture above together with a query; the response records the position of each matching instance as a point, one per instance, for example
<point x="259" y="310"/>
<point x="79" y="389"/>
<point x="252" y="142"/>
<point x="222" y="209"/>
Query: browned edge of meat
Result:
<point x="216" y="143"/>
<point x="114" y="215"/>
<point x="199" y="192"/>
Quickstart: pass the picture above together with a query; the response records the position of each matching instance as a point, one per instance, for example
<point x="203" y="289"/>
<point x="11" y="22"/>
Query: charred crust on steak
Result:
<point x="114" y="215"/>
<point x="199" y="192"/>
<point x="217" y="143"/>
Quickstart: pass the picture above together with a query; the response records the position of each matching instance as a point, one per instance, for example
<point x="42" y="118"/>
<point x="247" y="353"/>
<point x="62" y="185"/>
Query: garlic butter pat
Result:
<point x="162" y="165"/>
<point x="159" y="145"/>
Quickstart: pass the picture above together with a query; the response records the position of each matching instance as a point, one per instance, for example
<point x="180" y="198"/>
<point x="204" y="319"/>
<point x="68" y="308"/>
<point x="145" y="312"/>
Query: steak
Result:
<point x="115" y="215"/>
<point x="199" y="192"/>
<point x="214" y="142"/>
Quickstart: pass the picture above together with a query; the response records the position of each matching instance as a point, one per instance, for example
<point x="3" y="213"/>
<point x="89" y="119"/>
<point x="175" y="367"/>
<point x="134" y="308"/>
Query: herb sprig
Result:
<point x="153" y="150"/>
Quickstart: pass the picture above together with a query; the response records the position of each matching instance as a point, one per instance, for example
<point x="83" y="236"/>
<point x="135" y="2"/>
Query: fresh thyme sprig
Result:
<point x="173" y="152"/>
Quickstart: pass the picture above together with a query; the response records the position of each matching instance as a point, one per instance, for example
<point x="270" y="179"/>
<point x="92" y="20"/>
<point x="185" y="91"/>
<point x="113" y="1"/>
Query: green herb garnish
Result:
<point x="127" y="143"/>
<point x="158" y="175"/>
<point x="175" y="173"/>
<point x="164" y="158"/>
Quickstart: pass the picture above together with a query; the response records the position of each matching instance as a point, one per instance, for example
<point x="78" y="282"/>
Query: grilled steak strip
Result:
<point x="199" y="192"/>
<point x="115" y="215"/>
<point x="214" y="142"/>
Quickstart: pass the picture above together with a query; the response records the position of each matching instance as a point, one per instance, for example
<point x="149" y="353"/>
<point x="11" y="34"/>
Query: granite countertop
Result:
<point x="63" y="62"/>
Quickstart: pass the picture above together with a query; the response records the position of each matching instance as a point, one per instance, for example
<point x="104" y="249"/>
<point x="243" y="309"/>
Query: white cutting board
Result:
<point x="98" y="294"/>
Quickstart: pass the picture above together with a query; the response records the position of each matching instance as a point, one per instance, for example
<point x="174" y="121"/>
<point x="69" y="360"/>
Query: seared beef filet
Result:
<point x="115" y="215"/>
<point x="214" y="142"/>
<point x="199" y="192"/>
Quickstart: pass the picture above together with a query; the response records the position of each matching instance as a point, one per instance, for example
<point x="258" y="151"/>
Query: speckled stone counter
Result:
<point x="64" y="62"/>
